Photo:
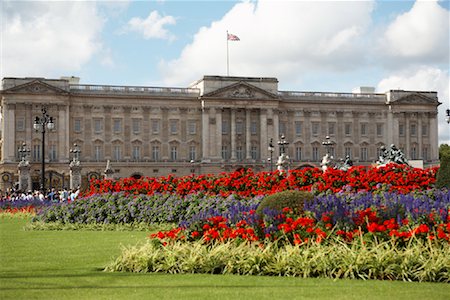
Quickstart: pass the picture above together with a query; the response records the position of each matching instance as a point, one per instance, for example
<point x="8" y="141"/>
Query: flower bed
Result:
<point x="246" y="183"/>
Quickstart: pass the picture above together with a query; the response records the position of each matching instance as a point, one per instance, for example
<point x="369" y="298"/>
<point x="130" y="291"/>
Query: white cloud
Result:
<point x="424" y="78"/>
<point x="48" y="38"/>
<point x="283" y="39"/>
<point x="419" y="35"/>
<point x="153" y="26"/>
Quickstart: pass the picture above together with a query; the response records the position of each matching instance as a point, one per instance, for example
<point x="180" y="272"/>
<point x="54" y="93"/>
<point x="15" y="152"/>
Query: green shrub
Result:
<point x="443" y="175"/>
<point x="291" y="199"/>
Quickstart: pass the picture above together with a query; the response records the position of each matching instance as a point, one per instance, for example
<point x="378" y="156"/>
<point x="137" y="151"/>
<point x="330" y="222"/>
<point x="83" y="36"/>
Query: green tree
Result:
<point x="443" y="175"/>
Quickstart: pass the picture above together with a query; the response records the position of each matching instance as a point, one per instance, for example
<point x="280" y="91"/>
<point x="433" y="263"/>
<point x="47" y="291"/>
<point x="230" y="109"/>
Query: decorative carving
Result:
<point x="242" y="92"/>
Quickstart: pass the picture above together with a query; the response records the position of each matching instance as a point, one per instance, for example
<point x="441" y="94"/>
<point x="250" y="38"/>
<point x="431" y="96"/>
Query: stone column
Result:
<point x="233" y="134"/>
<point x="205" y="134"/>
<point x="263" y="135"/>
<point x="9" y="124"/>
<point x="247" y="134"/>
<point x="219" y="133"/>
<point x="419" y="135"/>
<point x="407" y="149"/>
<point x="24" y="176"/>
<point x="75" y="174"/>
<point x="276" y="126"/>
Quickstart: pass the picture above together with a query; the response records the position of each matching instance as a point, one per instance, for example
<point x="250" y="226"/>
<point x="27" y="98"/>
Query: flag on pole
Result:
<point x="232" y="37"/>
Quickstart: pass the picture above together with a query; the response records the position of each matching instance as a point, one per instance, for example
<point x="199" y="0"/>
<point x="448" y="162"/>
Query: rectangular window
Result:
<point x="298" y="153"/>
<point x="348" y="129"/>
<point x="424" y="129"/>
<point x="363" y="154"/>
<point x="192" y="153"/>
<point x="413" y="129"/>
<point x="348" y="151"/>
<point x="363" y="128"/>
<point x="173" y="153"/>
<point x="379" y="129"/>
<point x="254" y="152"/>
<point x="192" y="127"/>
<point x="52" y="153"/>
<point x="425" y="153"/>
<point x="155" y="152"/>
<point x="117" y="125"/>
<point x="331" y="151"/>
<point x="136" y="152"/>
<point x="20" y="124"/>
<point x="413" y="152"/>
<point x="401" y="129"/>
<point x="98" y="125"/>
<point x="77" y="125"/>
<point x="155" y="126"/>
<point x="254" y="128"/>
<point x="298" y="128"/>
<point x="315" y="129"/>
<point x="173" y="125"/>
<point x="239" y="127"/>
<point x="136" y="123"/>
<point x="225" y="127"/>
<point x="283" y="128"/>
<point x="239" y="153"/>
<point x="36" y="153"/>
<point x="98" y="155"/>
<point x="331" y="128"/>
<point x="117" y="152"/>
<point x="225" y="154"/>
<point x="315" y="154"/>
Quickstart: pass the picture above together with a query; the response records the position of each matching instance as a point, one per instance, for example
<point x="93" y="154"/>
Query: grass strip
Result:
<point x="69" y="264"/>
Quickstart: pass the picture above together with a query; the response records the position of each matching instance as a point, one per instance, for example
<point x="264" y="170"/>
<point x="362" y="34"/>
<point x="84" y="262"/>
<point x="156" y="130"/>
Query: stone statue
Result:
<point x="283" y="163"/>
<point x="326" y="162"/>
<point x="391" y="155"/>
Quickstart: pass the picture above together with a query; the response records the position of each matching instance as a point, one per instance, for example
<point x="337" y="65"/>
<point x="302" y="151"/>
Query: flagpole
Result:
<point x="228" y="59"/>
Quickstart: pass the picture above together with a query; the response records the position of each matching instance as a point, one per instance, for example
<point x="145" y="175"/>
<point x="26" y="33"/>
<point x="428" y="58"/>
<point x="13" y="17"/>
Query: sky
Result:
<point x="324" y="46"/>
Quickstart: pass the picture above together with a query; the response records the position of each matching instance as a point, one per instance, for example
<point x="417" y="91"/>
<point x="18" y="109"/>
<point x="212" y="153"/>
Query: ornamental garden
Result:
<point x="389" y="223"/>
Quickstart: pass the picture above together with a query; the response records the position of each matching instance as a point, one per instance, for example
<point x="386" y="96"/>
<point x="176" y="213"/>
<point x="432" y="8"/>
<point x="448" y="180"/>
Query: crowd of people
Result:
<point x="53" y="195"/>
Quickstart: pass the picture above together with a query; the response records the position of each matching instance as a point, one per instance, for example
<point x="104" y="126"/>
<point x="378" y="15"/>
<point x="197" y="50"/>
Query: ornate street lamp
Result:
<point x="448" y="116"/>
<point x="327" y="143"/>
<point x="282" y="143"/>
<point x="271" y="148"/>
<point x="40" y="124"/>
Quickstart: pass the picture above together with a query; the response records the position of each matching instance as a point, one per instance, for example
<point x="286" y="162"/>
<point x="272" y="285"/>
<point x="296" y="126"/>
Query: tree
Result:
<point x="443" y="175"/>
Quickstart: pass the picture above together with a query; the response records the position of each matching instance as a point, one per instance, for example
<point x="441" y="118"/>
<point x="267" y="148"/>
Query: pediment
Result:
<point x="36" y="87"/>
<point x="241" y="90"/>
<point x="415" y="98"/>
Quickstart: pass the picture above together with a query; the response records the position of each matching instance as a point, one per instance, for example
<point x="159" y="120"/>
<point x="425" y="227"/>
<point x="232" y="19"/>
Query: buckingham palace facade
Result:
<point x="217" y="124"/>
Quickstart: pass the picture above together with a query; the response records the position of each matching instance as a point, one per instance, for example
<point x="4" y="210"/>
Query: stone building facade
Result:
<point x="216" y="124"/>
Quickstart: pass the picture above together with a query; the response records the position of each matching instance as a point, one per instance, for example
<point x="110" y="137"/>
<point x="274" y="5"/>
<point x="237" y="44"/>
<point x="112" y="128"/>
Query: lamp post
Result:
<point x="271" y="148"/>
<point x="282" y="143"/>
<point x="448" y="116"/>
<point x="327" y="143"/>
<point x="40" y="124"/>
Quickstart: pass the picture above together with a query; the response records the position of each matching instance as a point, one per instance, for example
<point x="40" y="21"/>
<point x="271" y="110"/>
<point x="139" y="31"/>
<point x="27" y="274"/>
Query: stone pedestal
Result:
<point x="75" y="174"/>
<point x="24" y="176"/>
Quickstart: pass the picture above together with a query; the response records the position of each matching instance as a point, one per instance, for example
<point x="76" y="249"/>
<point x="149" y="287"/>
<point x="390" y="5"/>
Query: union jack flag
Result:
<point x="232" y="37"/>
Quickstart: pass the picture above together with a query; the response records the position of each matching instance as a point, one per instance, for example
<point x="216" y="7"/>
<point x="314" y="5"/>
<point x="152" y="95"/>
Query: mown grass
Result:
<point x="68" y="265"/>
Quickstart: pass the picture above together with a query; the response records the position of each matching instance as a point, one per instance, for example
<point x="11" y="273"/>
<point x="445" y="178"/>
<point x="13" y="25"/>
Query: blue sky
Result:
<point x="307" y="45"/>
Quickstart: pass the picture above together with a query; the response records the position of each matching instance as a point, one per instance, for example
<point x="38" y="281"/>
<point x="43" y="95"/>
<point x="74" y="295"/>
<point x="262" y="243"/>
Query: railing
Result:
<point x="288" y="94"/>
<point x="112" y="89"/>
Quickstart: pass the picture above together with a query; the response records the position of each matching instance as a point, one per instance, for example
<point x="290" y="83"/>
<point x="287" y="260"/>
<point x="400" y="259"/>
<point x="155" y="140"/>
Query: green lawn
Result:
<point x="68" y="264"/>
